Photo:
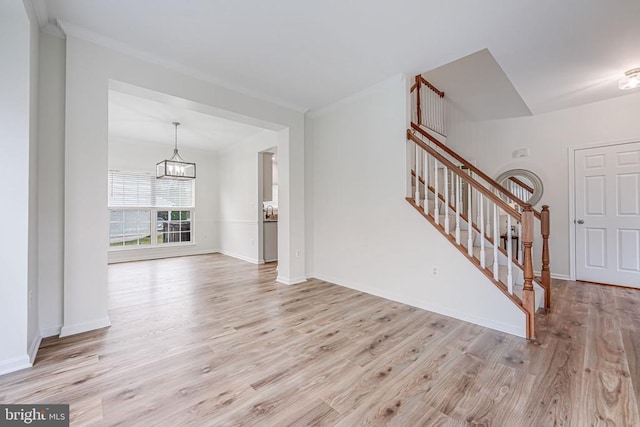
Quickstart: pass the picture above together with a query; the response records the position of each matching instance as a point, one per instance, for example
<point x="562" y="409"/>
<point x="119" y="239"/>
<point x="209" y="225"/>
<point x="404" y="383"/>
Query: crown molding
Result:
<point x="93" y="37"/>
<point x="53" y="29"/>
<point x="38" y="10"/>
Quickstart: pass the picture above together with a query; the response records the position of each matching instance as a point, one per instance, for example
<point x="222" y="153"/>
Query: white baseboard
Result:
<point x="446" y="311"/>
<point x="51" y="331"/>
<point x="241" y="257"/>
<point x="33" y="348"/>
<point x="22" y="362"/>
<point x="156" y="253"/>
<point x="293" y="281"/>
<point x="89" y="325"/>
<point x="14" y="364"/>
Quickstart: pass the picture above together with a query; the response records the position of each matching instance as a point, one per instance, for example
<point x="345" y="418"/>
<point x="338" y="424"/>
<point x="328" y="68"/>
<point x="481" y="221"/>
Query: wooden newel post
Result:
<point x="528" y="295"/>
<point x="546" y="273"/>
<point x="418" y="107"/>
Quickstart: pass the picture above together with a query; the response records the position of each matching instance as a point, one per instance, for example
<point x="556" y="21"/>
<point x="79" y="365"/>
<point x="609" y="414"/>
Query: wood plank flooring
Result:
<point x="213" y="341"/>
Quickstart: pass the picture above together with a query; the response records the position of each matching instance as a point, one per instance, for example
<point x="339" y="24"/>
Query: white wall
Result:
<point x="240" y="208"/>
<point x="33" y="328"/>
<point x="309" y="199"/>
<point x="17" y="135"/>
<point x="51" y="183"/>
<point x="90" y="69"/>
<point x="139" y="156"/>
<point x="366" y="236"/>
<point x="548" y="137"/>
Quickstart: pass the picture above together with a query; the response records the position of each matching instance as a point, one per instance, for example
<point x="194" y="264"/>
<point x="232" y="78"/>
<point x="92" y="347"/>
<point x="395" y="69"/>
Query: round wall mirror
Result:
<point x="524" y="184"/>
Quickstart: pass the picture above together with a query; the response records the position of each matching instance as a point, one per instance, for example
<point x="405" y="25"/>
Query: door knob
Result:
<point x="580" y="221"/>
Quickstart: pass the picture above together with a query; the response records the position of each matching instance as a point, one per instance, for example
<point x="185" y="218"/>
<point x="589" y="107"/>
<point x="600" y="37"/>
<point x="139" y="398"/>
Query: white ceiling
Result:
<point x="309" y="54"/>
<point x="133" y="118"/>
<point x="478" y="86"/>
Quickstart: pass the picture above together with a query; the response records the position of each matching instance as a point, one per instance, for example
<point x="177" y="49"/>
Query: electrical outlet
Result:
<point x="435" y="271"/>
<point x="298" y="253"/>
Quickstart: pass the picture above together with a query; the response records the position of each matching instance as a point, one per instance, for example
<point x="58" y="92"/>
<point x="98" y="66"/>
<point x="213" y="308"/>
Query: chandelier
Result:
<point x="175" y="167"/>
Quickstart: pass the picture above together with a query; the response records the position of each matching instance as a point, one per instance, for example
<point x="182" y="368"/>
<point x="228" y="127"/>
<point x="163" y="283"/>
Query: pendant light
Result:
<point x="176" y="167"/>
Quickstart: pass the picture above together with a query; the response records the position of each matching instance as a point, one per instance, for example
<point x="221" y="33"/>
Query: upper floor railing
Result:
<point x="430" y="106"/>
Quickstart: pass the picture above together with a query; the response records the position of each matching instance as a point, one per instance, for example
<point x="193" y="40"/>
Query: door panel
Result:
<point x="595" y="195"/>
<point x="607" y="201"/>
<point x="629" y="250"/>
<point x="628" y="194"/>
<point x="596" y="247"/>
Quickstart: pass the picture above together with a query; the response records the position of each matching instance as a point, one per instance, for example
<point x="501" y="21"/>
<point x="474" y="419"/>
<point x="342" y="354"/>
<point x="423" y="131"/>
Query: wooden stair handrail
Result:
<point x="475" y="184"/>
<point x="429" y="85"/>
<point x="421" y="80"/>
<point x="521" y="184"/>
<point x="474" y="169"/>
<point x="432" y="87"/>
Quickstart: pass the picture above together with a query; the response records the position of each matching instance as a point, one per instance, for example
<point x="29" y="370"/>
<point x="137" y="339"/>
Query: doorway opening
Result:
<point x="268" y="204"/>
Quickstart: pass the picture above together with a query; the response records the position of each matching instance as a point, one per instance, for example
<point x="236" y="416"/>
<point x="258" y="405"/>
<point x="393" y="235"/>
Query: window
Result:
<point x="173" y="227"/>
<point x="145" y="211"/>
<point x="129" y="227"/>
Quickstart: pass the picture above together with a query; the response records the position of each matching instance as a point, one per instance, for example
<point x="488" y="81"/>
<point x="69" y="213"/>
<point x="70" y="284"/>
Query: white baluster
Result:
<point x="477" y="206"/>
<point x="446" y="200"/>
<point x="520" y="242"/>
<point x="438" y="114"/>
<point x="509" y="256"/>
<point x="457" y="181"/>
<point x="488" y="230"/>
<point x="496" y="241"/>
<point x="425" y="111"/>
<point x="482" y="254"/>
<point x="417" y="173"/>
<point x="469" y="220"/>
<point x="430" y="109"/>
<point x="441" y="113"/>
<point x="425" y="173"/>
<point x="436" y="198"/>
<point x="434" y="124"/>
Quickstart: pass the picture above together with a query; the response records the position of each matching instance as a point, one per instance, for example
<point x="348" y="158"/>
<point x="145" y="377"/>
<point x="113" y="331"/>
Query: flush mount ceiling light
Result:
<point x="631" y="80"/>
<point x="176" y="167"/>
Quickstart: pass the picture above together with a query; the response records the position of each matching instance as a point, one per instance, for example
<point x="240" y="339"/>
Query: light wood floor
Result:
<point x="210" y="340"/>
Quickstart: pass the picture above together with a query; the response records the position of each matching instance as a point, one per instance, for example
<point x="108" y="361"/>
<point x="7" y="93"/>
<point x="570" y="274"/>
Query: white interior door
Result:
<point x="608" y="214"/>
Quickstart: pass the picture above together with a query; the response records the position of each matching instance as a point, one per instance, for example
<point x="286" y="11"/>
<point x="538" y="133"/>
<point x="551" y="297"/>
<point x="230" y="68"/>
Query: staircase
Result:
<point x="492" y="225"/>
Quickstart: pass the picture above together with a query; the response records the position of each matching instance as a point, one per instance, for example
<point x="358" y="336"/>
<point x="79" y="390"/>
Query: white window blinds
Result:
<point x="141" y="189"/>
